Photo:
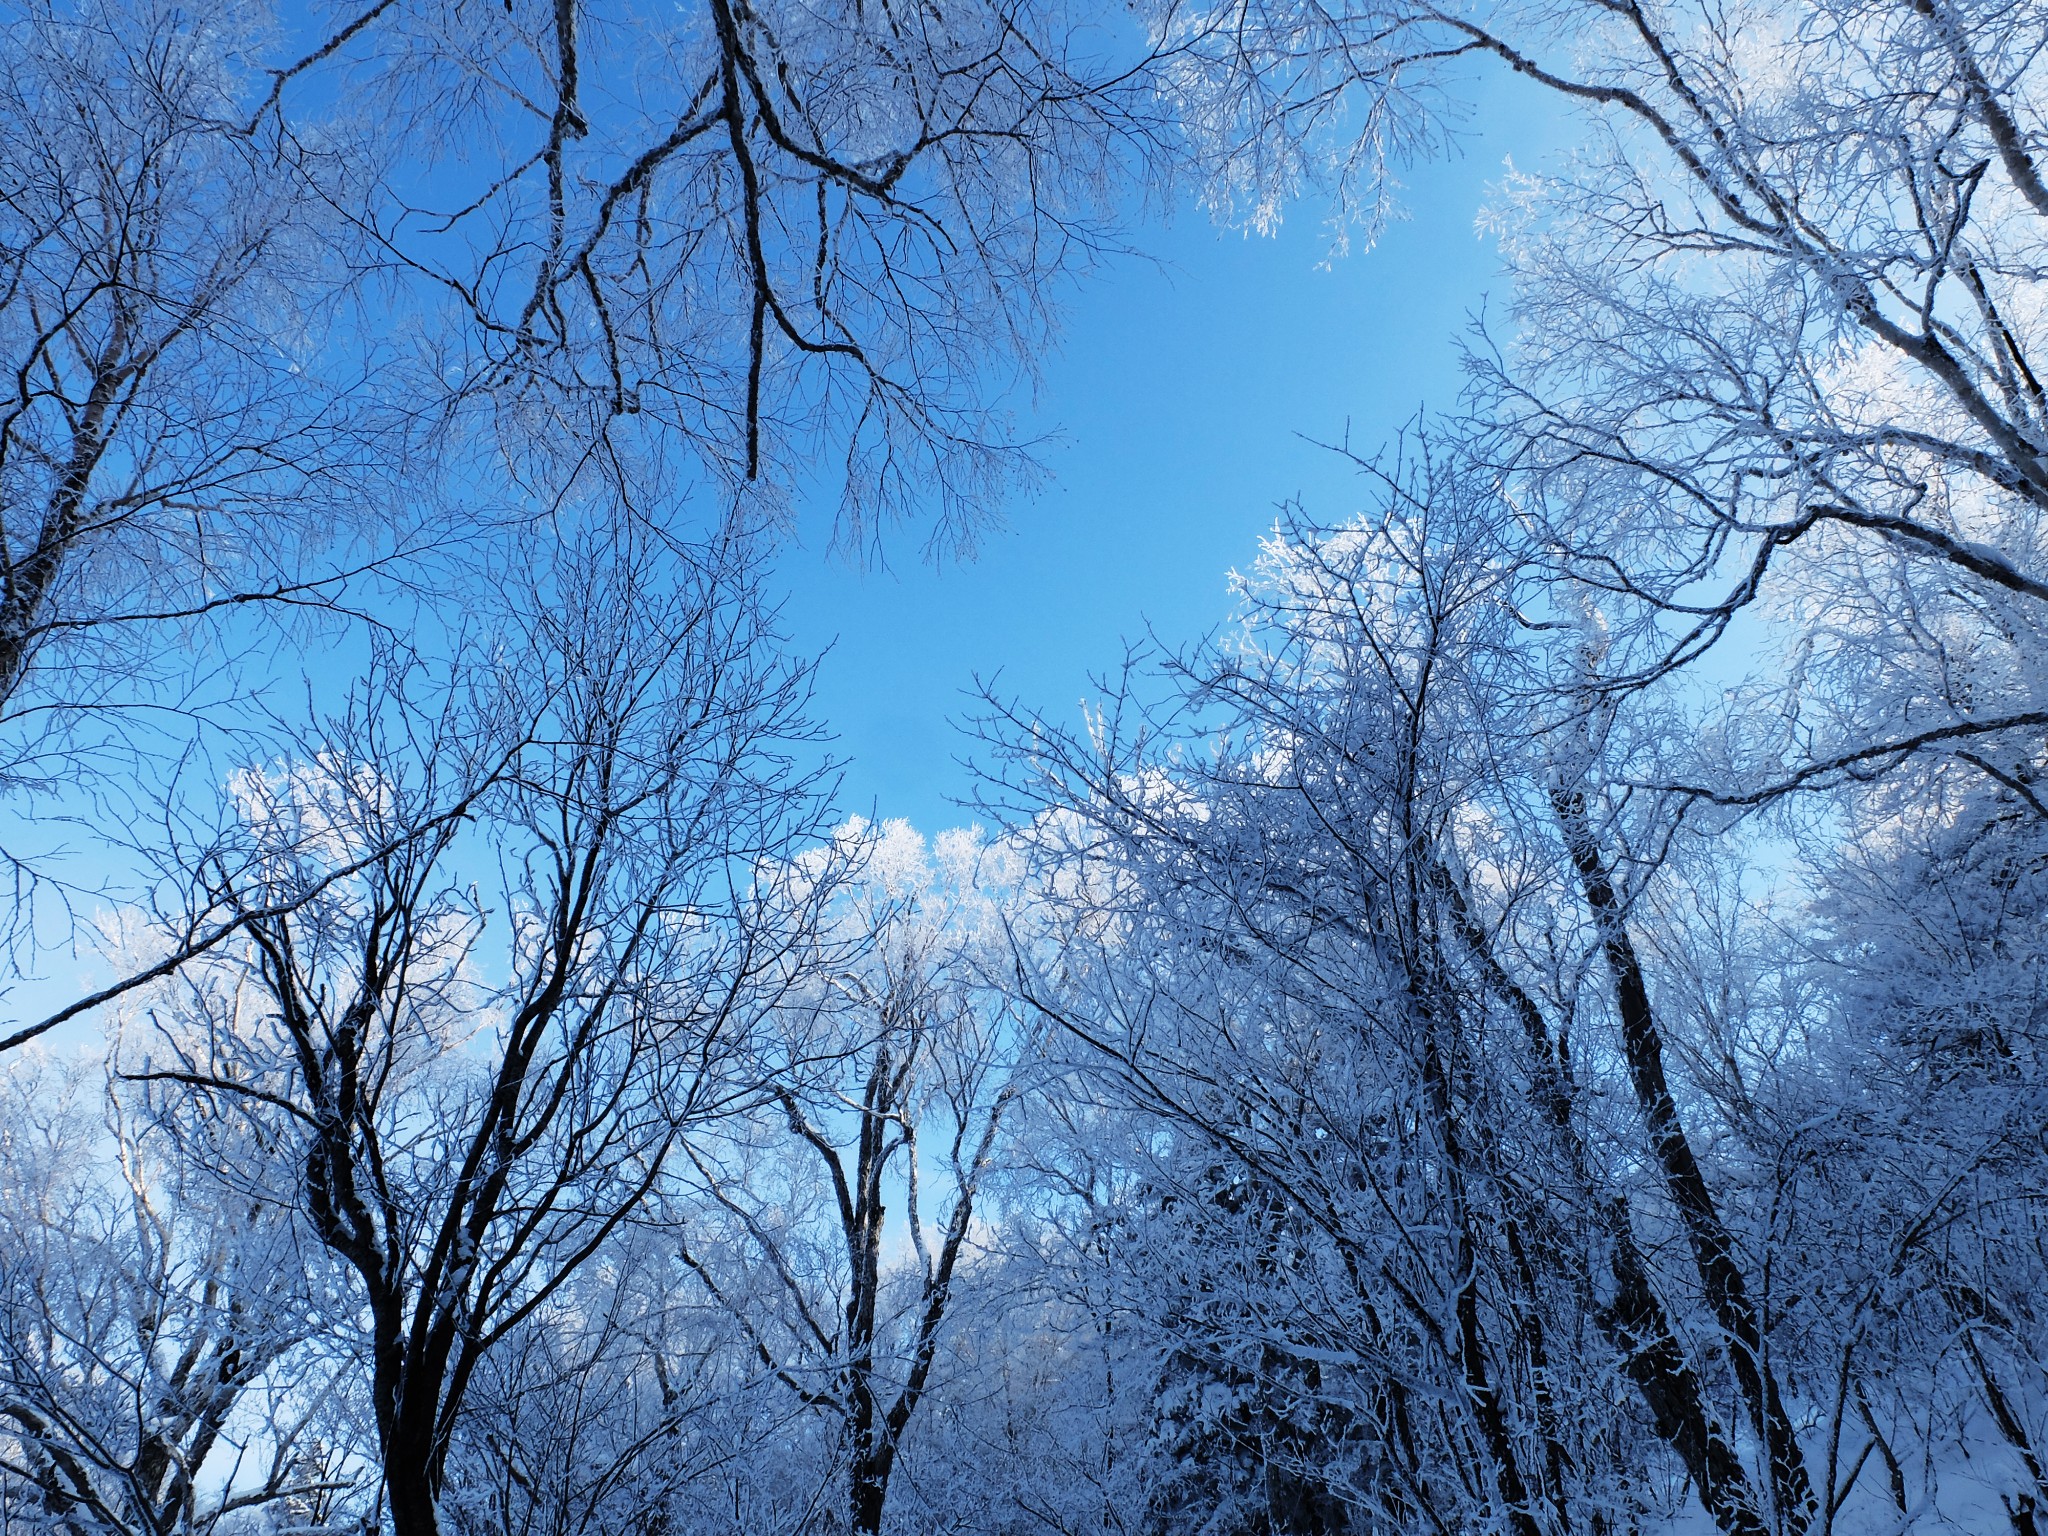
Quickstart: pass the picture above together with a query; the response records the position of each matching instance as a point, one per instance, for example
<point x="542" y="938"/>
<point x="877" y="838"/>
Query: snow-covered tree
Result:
<point x="478" y="1094"/>
<point x="900" y="1057"/>
<point x="165" y="1341"/>
<point x="1287" y="895"/>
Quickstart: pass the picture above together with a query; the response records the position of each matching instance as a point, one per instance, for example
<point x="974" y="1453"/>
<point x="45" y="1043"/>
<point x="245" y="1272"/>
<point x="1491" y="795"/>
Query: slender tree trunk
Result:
<point x="1479" y="1387"/>
<point x="1712" y="1246"/>
<point x="28" y="583"/>
<point x="1634" y="1320"/>
<point x="410" y="1482"/>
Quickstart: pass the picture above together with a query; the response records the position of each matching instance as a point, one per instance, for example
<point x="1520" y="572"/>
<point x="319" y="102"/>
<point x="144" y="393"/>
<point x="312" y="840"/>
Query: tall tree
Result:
<point x="902" y="1060"/>
<point x="474" y="1118"/>
<point x="1287" y="896"/>
<point x="176" y="437"/>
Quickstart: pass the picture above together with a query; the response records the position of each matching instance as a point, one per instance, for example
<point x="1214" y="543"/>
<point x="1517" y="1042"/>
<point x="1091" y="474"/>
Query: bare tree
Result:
<point x="177" y="441"/>
<point x="623" y="1404"/>
<point x="160" y="1366"/>
<point x="473" y="1121"/>
<point x="1780" y="337"/>
<point x="751" y="234"/>
<point x="1290" y="879"/>
<point x="1777" y="347"/>
<point x="908" y="1045"/>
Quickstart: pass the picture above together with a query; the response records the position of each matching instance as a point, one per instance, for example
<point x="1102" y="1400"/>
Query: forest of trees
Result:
<point x="1538" y="1026"/>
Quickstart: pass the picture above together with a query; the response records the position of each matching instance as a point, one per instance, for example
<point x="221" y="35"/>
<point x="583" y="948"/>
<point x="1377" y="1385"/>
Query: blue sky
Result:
<point x="1183" y="395"/>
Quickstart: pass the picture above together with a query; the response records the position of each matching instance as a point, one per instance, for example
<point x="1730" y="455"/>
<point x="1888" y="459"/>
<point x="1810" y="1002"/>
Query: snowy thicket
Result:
<point x="1539" y="1027"/>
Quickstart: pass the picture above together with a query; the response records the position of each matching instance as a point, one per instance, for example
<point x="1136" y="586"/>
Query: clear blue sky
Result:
<point x="1182" y="395"/>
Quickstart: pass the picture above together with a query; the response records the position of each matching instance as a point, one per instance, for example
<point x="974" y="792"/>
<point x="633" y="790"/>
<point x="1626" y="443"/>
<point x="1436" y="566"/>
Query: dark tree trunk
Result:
<point x="1634" y="1320"/>
<point x="1712" y="1246"/>
<point x="870" y="1489"/>
<point x="411" y="1467"/>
